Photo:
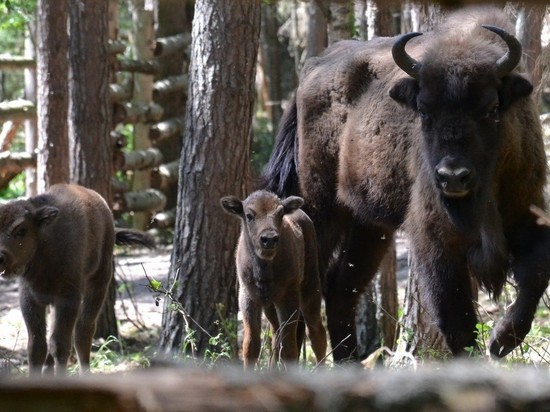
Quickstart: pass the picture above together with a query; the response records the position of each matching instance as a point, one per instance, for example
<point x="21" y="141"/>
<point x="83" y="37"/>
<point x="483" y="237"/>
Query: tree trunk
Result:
<point x="142" y="22"/>
<point x="270" y="61"/>
<point x="89" y="115"/>
<point x="317" y="35"/>
<point x="341" y="16"/>
<point x="53" y="93"/>
<point x="214" y="162"/>
<point x="528" y="30"/>
<point x="360" y="16"/>
<point x="31" y="126"/>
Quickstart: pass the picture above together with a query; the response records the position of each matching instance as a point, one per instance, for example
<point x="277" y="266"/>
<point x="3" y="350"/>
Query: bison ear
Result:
<point x="513" y="88"/>
<point x="405" y="92"/>
<point x="232" y="205"/>
<point x="292" y="203"/>
<point x="46" y="214"/>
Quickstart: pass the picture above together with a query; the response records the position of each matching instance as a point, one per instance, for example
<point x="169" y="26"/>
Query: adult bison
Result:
<point x="442" y="140"/>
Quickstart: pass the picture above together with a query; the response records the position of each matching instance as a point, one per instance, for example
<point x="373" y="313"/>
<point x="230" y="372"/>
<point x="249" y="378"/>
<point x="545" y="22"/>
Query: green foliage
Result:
<point x="105" y="357"/>
<point x="15" y="189"/>
<point x="15" y="14"/>
<point x="221" y="346"/>
<point x="262" y="141"/>
<point x="14" y="17"/>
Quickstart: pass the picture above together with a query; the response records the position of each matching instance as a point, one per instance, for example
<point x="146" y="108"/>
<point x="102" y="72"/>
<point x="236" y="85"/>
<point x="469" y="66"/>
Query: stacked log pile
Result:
<point x="164" y="174"/>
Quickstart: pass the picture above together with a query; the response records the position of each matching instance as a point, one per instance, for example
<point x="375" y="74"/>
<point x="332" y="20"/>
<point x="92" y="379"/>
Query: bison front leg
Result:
<point x="34" y="316"/>
<point x="357" y="265"/>
<point x="531" y="270"/>
<point x="446" y="294"/>
<point x="252" y="325"/>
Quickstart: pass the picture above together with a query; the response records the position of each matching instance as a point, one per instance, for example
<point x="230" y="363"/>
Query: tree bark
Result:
<point x="53" y="94"/>
<point x="317" y="35"/>
<point x="528" y="30"/>
<point x="341" y="16"/>
<point x="89" y="115"/>
<point x="214" y="162"/>
<point x="270" y="61"/>
<point x="31" y="125"/>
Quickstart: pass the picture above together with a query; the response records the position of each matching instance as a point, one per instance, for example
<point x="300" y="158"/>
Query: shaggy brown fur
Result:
<point x="374" y="147"/>
<point x="277" y="270"/>
<point x="60" y="245"/>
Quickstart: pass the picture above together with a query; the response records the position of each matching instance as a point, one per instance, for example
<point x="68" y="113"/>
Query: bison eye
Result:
<point x="249" y="217"/>
<point x="20" y="232"/>
<point x="492" y="113"/>
<point x="423" y="115"/>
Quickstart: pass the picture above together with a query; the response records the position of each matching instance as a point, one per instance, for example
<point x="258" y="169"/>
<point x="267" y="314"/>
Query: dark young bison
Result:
<point x="277" y="268"/>
<point x="60" y="245"/>
<point x="442" y="140"/>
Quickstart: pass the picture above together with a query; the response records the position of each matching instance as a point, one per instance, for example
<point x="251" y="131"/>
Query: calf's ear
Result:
<point x="292" y="203"/>
<point x="46" y="214"/>
<point x="513" y="88"/>
<point x="405" y="91"/>
<point x="232" y="205"/>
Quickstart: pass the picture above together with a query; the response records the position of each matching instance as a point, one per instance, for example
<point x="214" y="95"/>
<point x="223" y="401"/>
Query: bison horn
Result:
<point x="510" y="60"/>
<point x="402" y="59"/>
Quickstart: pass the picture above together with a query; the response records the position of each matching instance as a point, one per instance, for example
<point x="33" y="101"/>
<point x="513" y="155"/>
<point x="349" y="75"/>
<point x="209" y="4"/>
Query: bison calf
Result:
<point x="60" y="245"/>
<point x="278" y="272"/>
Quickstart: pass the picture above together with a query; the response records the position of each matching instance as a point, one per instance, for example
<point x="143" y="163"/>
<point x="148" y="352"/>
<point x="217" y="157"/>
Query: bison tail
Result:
<point x="132" y="237"/>
<point x="280" y="173"/>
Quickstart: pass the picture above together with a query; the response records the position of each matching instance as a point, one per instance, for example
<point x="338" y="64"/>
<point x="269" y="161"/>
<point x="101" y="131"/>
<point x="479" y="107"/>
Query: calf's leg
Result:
<point x="60" y="343"/>
<point x="92" y="303"/>
<point x="271" y="315"/>
<point x="252" y="324"/>
<point x="288" y="311"/>
<point x="34" y="316"/>
<point x="311" y="311"/>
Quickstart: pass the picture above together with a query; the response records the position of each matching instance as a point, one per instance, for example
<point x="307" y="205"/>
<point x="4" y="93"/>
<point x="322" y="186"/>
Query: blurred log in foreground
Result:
<point x="450" y="387"/>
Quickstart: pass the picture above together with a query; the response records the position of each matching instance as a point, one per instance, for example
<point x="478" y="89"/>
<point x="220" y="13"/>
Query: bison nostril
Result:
<point x="269" y="240"/>
<point x="3" y="258"/>
<point x="454" y="179"/>
<point x="463" y="175"/>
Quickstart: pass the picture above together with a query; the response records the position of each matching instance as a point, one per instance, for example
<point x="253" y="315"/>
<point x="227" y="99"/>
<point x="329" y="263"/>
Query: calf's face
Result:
<point x="20" y="225"/>
<point x="262" y="216"/>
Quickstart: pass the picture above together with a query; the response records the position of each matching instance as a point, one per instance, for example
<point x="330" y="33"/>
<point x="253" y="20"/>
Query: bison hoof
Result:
<point x="499" y="351"/>
<point x="506" y="336"/>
